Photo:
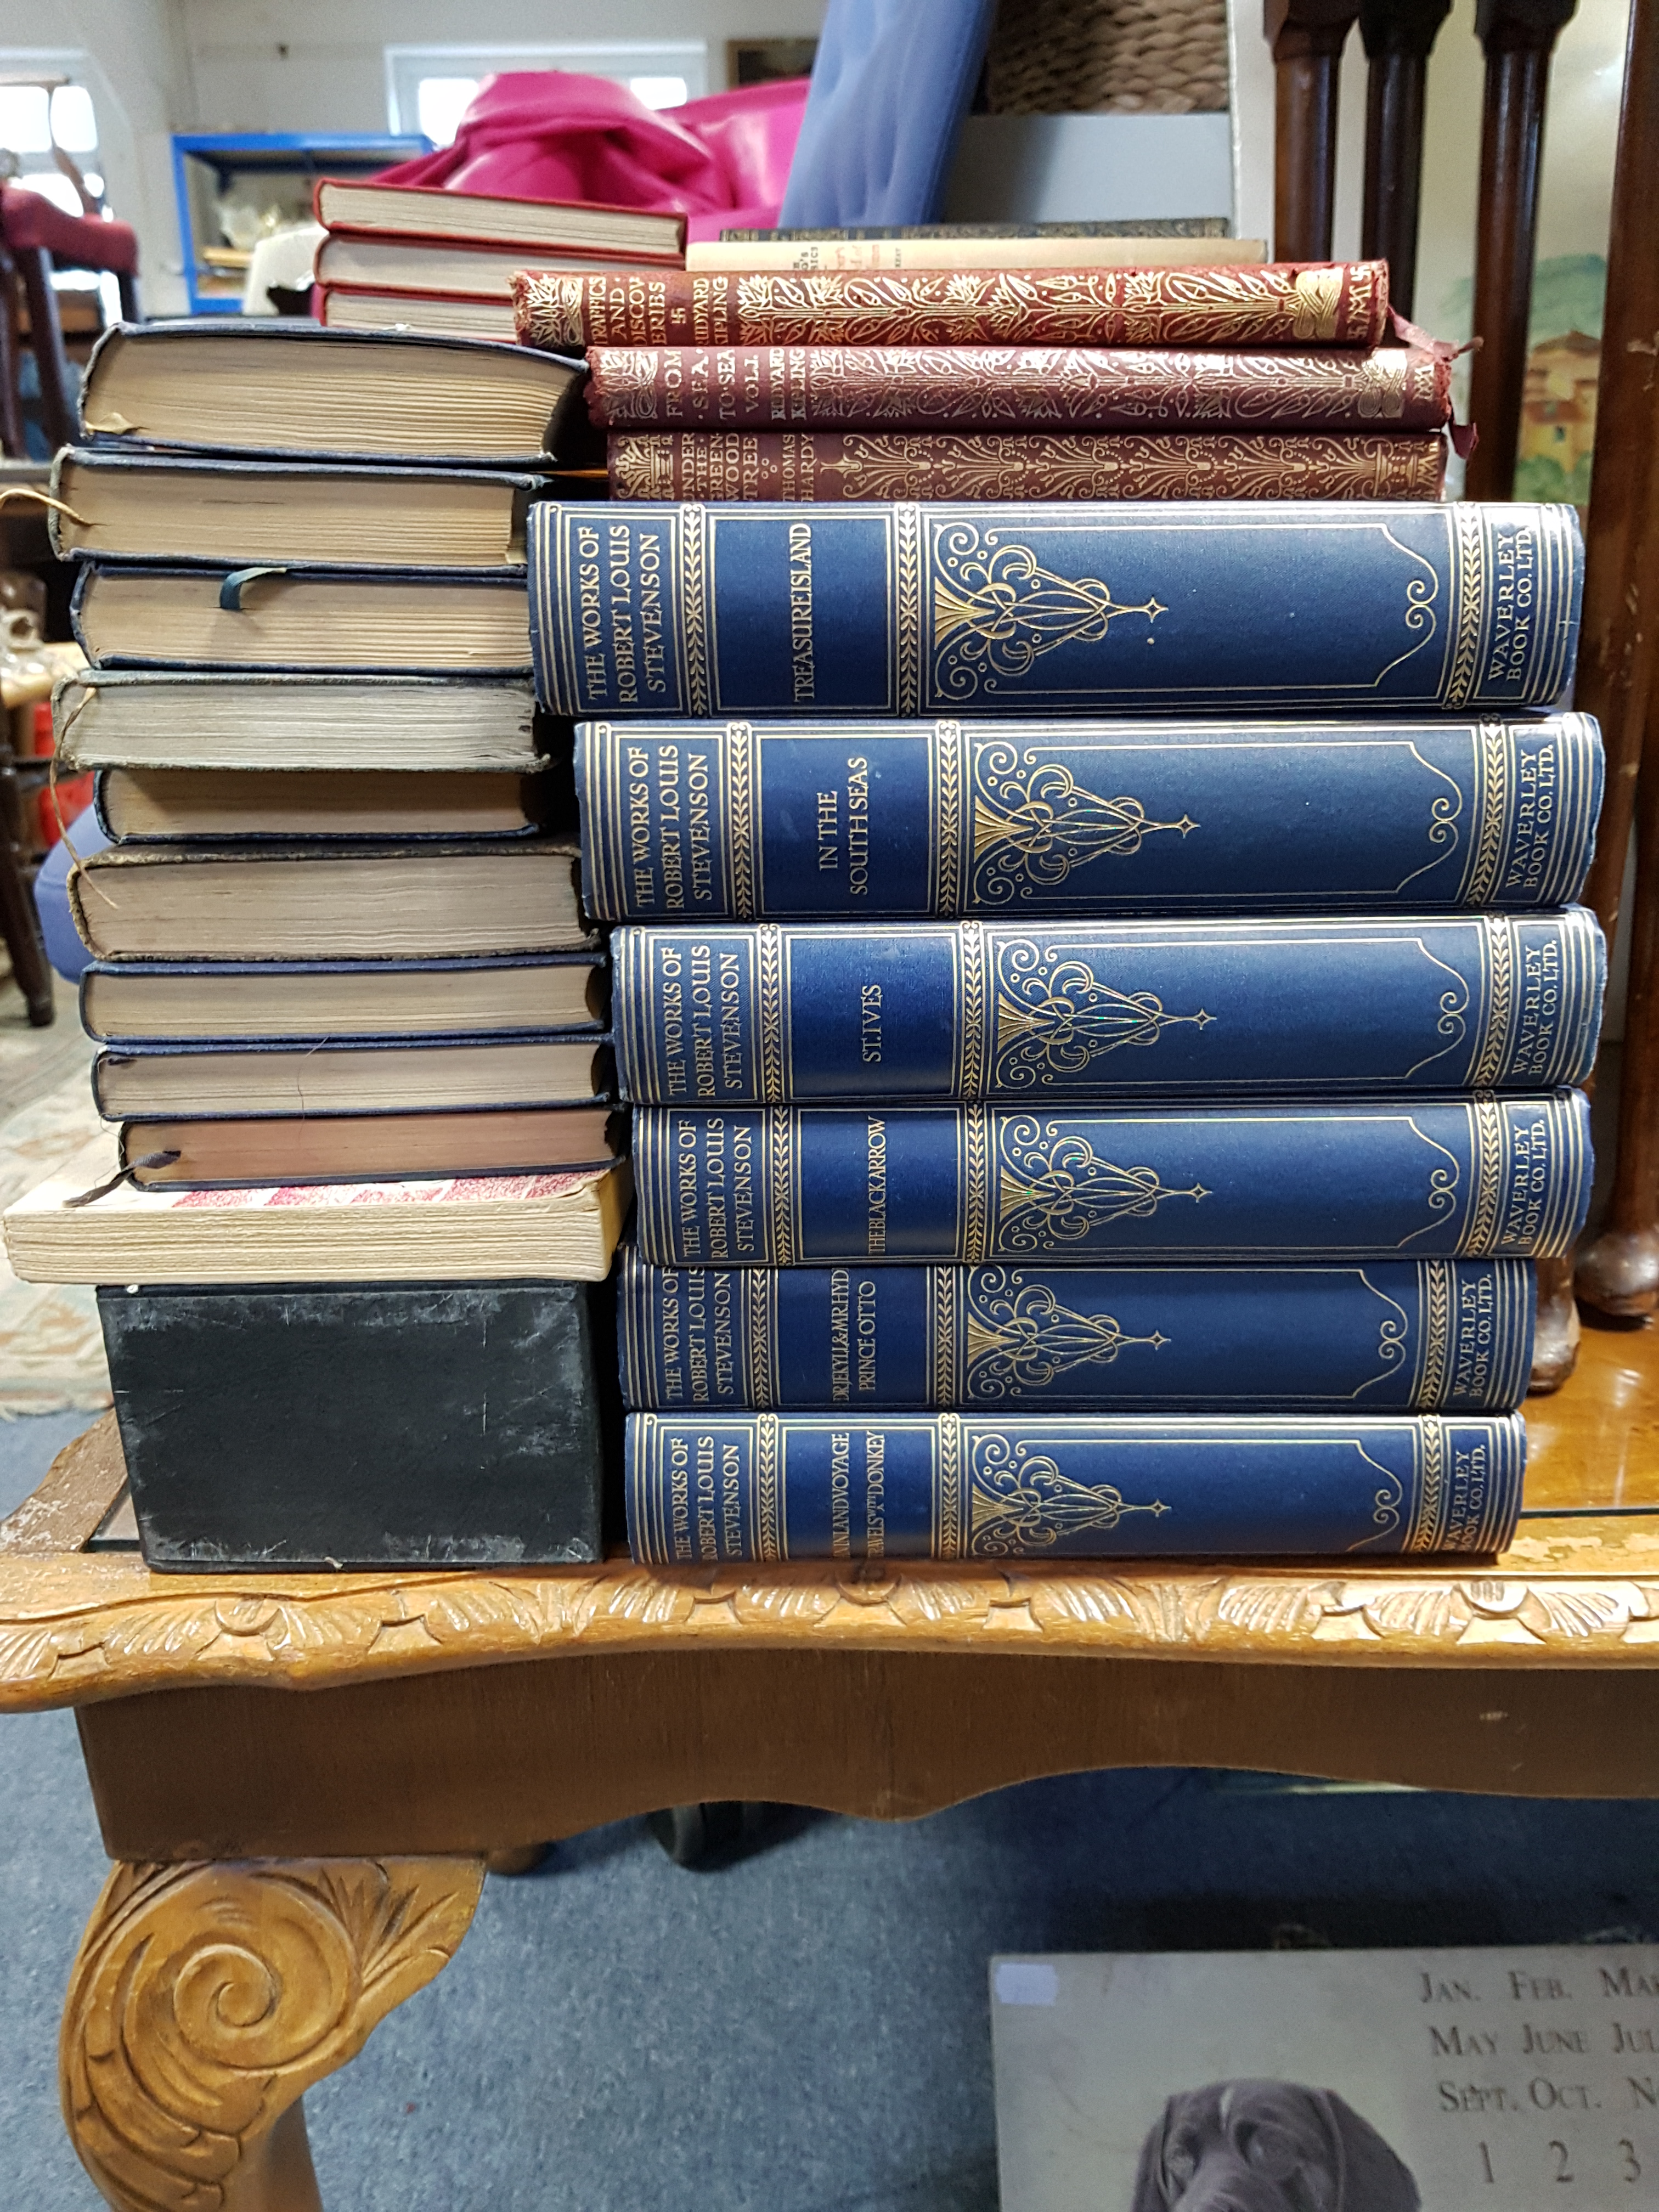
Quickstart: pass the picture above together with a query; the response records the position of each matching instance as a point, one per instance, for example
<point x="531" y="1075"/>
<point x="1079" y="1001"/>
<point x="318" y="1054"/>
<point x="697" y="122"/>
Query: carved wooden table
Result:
<point x="291" y="1866"/>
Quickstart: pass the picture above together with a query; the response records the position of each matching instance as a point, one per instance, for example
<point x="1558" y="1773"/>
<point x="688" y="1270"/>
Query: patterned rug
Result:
<point x="52" y="1351"/>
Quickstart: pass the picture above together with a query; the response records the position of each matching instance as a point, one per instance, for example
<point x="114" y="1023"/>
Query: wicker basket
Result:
<point x="1068" y="56"/>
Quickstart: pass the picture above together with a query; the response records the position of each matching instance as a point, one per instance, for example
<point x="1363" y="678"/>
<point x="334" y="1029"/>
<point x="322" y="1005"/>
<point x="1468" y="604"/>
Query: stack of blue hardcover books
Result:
<point x="1102" y="1005"/>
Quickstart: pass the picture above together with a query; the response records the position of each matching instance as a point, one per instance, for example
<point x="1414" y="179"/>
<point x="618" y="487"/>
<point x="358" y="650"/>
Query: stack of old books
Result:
<point x="421" y="257"/>
<point x="1100" y="991"/>
<point x="947" y="378"/>
<point x="352" y="1013"/>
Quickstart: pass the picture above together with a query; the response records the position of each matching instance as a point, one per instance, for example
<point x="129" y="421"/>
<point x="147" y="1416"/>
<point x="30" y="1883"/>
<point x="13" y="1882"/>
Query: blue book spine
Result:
<point x="852" y="821"/>
<point x="770" y="1487"/>
<point x="1075" y="608"/>
<point x="1399" y="1335"/>
<point x="781" y="1186"/>
<point x="771" y="1012"/>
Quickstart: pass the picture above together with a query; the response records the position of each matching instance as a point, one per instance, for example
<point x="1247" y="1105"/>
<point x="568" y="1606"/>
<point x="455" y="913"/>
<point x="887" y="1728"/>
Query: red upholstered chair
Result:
<point x="36" y="236"/>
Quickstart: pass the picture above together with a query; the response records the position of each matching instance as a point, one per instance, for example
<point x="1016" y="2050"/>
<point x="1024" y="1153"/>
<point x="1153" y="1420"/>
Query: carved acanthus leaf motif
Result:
<point x="206" y="1998"/>
<point x="1101" y="1602"/>
<point x="87" y="1630"/>
<point x="1434" y="1612"/>
<point x="1269" y="1608"/>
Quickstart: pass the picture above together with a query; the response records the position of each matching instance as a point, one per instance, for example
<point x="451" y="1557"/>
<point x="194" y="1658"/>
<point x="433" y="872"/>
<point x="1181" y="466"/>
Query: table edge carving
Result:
<point x="75" y="1629"/>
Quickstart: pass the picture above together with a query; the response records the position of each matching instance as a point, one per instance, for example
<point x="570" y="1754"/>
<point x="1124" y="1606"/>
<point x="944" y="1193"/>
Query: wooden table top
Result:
<point x="1579" y="1586"/>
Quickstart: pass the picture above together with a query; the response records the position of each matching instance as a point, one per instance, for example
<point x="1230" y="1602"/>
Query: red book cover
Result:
<point x="1269" y="304"/>
<point x="820" y="388"/>
<point x="855" y="465"/>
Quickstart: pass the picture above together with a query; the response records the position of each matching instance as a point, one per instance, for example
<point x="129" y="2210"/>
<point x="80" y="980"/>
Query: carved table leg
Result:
<point x="206" y="1997"/>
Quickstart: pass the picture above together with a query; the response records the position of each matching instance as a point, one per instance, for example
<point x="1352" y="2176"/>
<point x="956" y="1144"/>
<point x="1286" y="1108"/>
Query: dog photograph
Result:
<point x="1268" y="2146"/>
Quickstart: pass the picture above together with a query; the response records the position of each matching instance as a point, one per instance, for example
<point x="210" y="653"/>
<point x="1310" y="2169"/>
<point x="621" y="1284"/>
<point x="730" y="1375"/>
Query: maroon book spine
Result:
<point x="856" y="465"/>
<point x="1337" y="303"/>
<point x="1014" y="387"/>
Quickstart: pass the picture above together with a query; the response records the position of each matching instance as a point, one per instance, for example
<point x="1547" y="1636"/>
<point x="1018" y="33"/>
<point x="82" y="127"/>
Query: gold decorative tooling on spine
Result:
<point x="948" y="1444"/>
<point x="1492" y="1057"/>
<point x="1431" y="1486"/>
<point x="950" y="779"/>
<point x="768" y="963"/>
<point x="769" y="1510"/>
<point x="756" y="1292"/>
<point x="1490" y="1130"/>
<point x="945" y="1298"/>
<point x="907" y="553"/>
<point x="1034" y="824"/>
<point x="691" y="525"/>
<point x="1473" y="583"/>
<point x="1435" y="1280"/>
<point x="1491" y="812"/>
<point x="778" y="1135"/>
<point x="974" y="1076"/>
<point x="1021" y="1503"/>
<point x="742" y="767"/>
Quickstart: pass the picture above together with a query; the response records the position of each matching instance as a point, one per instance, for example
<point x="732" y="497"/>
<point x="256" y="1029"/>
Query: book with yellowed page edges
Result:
<point x="288" y="388"/>
<point x="88" y="1223"/>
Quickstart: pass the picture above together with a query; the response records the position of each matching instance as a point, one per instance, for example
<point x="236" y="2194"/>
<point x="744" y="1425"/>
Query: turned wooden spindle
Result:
<point x="1398" y="36"/>
<point x="1618" y="1271"/>
<point x="1615" y="665"/>
<point x="1620" y="620"/>
<point x="1307" y="38"/>
<point x="1519" y="37"/>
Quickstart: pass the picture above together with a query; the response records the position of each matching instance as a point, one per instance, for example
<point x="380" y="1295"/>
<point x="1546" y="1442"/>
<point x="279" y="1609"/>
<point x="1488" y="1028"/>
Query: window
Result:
<point x="49" y="138"/>
<point x="430" y="87"/>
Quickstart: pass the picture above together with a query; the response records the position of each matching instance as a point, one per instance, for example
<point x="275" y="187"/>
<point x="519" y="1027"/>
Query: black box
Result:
<point x="452" y="1425"/>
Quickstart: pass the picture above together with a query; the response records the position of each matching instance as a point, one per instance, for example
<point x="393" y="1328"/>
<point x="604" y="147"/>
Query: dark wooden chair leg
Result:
<point x="1519" y="37"/>
<point x="11" y="399"/>
<point x="1307" y="38"/>
<point x="1620" y="614"/>
<point x="1618" y="1272"/>
<point x="1616" y="637"/>
<point x="128" y="286"/>
<point x="1398" y="36"/>
<point x="57" y="406"/>
<point x="21" y="928"/>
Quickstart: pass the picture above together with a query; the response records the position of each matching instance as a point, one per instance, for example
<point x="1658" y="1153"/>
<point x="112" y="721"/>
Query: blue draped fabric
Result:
<point x="891" y="83"/>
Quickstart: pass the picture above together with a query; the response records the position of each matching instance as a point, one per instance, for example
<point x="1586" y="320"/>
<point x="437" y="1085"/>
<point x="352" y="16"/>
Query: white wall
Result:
<point x="138" y="73"/>
<point x="317" y="65"/>
<point x="158" y="66"/>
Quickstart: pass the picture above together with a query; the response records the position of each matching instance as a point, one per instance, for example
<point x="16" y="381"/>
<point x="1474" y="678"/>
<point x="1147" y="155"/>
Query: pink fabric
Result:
<point x="74" y="241"/>
<point x="550" y="135"/>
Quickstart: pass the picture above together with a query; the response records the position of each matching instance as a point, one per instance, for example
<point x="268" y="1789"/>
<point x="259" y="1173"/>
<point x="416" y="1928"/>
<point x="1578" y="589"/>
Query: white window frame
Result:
<point x="74" y="64"/>
<point x="618" y="58"/>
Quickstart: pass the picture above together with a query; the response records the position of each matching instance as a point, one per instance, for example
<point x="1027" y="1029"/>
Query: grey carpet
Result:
<point x="806" y="2029"/>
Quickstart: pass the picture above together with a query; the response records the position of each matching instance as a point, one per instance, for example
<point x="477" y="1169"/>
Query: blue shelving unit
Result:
<point x="282" y="163"/>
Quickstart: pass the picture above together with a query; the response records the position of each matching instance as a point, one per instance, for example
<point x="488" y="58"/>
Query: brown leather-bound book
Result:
<point x="845" y="387"/>
<point x="1275" y="304"/>
<point x="853" y="464"/>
